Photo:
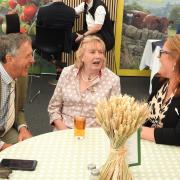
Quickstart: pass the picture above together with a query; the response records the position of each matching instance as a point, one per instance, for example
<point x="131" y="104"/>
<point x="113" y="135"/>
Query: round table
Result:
<point x="61" y="156"/>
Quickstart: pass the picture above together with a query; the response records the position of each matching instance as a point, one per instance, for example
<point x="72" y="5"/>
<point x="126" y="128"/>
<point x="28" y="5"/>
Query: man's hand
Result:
<point x="24" y="133"/>
<point x="79" y="38"/>
<point x="5" y="146"/>
<point x="59" y="125"/>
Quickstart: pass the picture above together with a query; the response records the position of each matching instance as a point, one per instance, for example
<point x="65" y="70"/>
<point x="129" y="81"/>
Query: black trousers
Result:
<point x="75" y="45"/>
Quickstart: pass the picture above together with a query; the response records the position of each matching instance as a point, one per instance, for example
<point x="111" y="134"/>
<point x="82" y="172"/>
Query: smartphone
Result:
<point x="19" y="164"/>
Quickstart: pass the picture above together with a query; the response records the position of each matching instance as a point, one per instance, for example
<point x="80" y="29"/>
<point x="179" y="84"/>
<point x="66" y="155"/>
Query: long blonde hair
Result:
<point x="80" y="52"/>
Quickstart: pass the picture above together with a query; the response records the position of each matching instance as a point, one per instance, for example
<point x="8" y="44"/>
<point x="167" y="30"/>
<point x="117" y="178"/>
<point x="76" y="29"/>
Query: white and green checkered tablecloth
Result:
<point x="60" y="156"/>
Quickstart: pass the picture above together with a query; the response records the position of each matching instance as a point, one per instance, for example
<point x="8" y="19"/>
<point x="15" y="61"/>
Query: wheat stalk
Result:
<point x="120" y="116"/>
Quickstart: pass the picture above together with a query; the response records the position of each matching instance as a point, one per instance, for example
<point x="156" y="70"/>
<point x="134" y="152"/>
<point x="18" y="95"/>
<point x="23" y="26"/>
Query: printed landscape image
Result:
<point x="143" y="20"/>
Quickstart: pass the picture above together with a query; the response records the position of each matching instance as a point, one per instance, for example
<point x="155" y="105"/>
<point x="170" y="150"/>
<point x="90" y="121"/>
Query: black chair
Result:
<point x="157" y="43"/>
<point x="12" y="23"/>
<point x="49" y="43"/>
<point x="178" y="29"/>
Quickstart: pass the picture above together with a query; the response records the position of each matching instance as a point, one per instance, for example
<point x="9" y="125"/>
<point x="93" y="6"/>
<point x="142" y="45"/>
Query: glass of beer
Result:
<point x="79" y="127"/>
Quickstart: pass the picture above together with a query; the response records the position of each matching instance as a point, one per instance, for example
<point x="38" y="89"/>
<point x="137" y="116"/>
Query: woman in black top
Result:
<point x="163" y="124"/>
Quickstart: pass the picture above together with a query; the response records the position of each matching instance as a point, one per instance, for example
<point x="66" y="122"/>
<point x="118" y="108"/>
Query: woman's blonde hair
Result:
<point x="80" y="52"/>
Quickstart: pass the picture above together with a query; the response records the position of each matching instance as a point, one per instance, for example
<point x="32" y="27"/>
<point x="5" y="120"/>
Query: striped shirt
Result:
<point x="6" y="80"/>
<point x="6" y="92"/>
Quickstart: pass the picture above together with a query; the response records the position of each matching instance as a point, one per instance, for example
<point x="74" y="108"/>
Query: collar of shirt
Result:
<point x="76" y="72"/>
<point x="90" y="4"/>
<point x="4" y="75"/>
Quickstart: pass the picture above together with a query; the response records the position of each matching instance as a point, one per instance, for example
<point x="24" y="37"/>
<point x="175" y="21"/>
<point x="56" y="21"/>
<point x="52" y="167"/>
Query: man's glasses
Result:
<point x="163" y="52"/>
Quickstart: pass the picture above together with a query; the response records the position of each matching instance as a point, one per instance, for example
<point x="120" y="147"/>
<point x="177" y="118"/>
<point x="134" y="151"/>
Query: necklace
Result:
<point x="89" y="79"/>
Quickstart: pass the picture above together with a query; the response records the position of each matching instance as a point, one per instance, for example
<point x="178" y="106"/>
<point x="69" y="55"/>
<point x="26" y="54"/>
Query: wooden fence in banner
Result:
<point x="112" y="6"/>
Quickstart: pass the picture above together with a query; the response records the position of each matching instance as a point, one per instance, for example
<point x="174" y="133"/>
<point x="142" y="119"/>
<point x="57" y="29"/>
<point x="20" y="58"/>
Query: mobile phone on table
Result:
<point x="19" y="164"/>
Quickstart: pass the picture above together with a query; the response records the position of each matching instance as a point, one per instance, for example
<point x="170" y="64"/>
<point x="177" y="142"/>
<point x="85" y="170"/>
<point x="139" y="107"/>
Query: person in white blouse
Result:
<point x="96" y="22"/>
<point x="81" y="85"/>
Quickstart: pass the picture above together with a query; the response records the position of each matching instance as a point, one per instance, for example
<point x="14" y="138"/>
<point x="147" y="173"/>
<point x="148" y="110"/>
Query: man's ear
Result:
<point x="8" y="58"/>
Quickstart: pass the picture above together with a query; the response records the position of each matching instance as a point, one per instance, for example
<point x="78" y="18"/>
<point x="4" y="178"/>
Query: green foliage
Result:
<point x="175" y="16"/>
<point x="135" y="6"/>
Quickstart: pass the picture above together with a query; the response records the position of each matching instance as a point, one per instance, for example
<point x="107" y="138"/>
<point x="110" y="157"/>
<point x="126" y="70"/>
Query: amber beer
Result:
<point x="79" y="126"/>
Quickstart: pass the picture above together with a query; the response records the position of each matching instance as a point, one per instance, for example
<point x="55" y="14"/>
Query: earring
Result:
<point x="174" y="67"/>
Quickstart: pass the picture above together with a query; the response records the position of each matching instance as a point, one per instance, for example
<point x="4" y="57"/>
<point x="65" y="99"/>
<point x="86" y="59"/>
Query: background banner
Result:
<point x="138" y="21"/>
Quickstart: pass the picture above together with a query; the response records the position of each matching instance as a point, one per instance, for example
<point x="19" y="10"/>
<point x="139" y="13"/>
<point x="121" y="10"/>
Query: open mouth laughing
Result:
<point x="97" y="62"/>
